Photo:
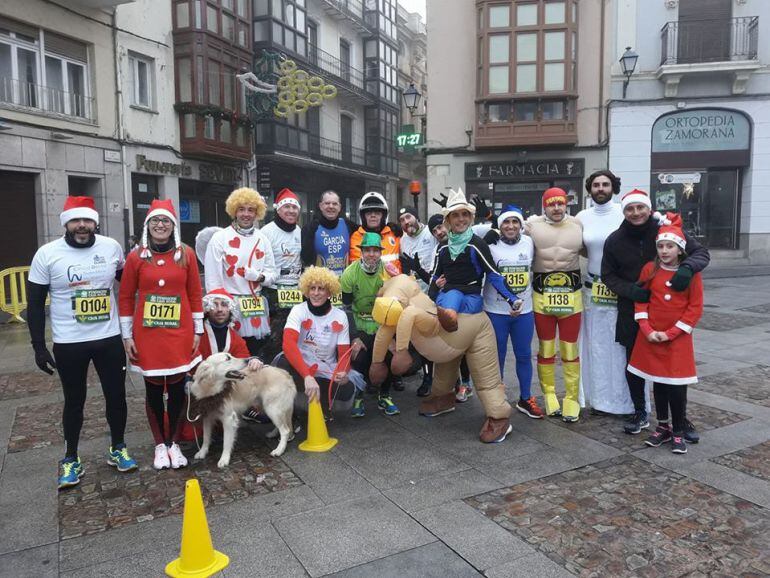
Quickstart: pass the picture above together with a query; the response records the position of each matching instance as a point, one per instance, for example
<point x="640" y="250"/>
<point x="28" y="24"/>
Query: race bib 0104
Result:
<point x="162" y="311"/>
<point x="288" y="297"/>
<point x="558" y="301"/>
<point x="91" y="305"/>
<point x="251" y="306"/>
<point x="601" y="295"/>
<point x="517" y="277"/>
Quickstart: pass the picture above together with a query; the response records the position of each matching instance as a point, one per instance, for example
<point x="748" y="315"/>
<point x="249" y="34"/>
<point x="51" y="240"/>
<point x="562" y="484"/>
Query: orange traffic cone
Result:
<point x="318" y="439"/>
<point x="197" y="557"/>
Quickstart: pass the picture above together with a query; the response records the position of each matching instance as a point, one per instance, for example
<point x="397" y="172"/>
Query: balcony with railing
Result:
<point x="35" y="97"/>
<point x="351" y="10"/>
<point x="344" y="76"/>
<point x="717" y="45"/>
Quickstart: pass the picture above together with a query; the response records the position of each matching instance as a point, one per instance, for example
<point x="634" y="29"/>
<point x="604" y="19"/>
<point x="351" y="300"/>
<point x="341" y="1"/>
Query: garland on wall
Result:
<point x="216" y="112"/>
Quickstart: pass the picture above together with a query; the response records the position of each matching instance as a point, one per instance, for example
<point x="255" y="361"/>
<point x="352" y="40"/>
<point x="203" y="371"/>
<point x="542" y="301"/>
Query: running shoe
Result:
<point x="255" y="416"/>
<point x="161" y="461"/>
<point x="71" y="472"/>
<point x="358" y="408"/>
<point x="661" y="435"/>
<point x="425" y="386"/>
<point x="677" y="445"/>
<point x="176" y="457"/>
<point x="529" y="407"/>
<point x="636" y="424"/>
<point x="691" y="435"/>
<point x="386" y="404"/>
<point x="118" y="457"/>
<point x="464" y="391"/>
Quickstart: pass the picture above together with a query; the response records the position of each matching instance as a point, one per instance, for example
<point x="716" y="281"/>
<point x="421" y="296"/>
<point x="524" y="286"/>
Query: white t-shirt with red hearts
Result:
<point x="319" y="336"/>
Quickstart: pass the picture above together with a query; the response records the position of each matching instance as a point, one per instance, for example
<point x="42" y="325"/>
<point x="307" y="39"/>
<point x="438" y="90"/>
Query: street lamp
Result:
<point x="411" y="98"/>
<point x="628" y="64"/>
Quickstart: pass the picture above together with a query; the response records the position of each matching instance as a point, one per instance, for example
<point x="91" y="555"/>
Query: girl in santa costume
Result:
<point x="161" y="320"/>
<point x="663" y="351"/>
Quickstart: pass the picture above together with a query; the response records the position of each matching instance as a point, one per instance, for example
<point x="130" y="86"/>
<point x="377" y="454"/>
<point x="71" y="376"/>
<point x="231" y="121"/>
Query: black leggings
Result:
<point x="156" y="410"/>
<point x="363" y="362"/>
<point x="675" y="398"/>
<point x="257" y="346"/>
<point x="635" y="385"/>
<point x="72" y="360"/>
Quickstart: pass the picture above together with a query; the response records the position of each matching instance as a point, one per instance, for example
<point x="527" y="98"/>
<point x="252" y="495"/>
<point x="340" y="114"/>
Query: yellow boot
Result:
<point x="572" y="388"/>
<point x="546" y="372"/>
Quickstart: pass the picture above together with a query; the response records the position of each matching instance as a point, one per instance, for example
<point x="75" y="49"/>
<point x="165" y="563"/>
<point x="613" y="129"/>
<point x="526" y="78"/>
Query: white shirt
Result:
<point x="516" y="261"/>
<point x="83" y="279"/>
<point x="319" y="336"/>
<point x="286" y="252"/>
<point x="598" y="222"/>
<point x="423" y="244"/>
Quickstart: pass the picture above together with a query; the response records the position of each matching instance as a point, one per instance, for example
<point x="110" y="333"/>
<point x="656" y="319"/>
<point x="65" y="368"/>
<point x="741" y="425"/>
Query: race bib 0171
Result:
<point x="162" y="311"/>
<point x="91" y="305"/>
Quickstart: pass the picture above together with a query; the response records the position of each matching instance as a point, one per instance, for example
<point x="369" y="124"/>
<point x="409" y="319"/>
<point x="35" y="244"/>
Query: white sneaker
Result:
<point x="161" y="460"/>
<point x="274" y="433"/>
<point x="177" y="457"/>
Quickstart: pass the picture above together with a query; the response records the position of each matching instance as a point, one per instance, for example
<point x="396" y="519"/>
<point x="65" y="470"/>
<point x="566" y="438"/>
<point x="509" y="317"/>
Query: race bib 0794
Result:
<point x="91" y="305"/>
<point x="251" y="306"/>
<point x="162" y="311"/>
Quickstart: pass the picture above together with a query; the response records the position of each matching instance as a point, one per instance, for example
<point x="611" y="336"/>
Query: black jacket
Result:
<point x="626" y="251"/>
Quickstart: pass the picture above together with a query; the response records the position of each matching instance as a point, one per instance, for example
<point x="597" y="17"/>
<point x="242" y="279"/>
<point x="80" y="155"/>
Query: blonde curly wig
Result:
<point x="319" y="276"/>
<point x="245" y="197"/>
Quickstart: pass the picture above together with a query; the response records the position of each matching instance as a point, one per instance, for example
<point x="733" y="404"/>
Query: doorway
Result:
<point x="18" y="236"/>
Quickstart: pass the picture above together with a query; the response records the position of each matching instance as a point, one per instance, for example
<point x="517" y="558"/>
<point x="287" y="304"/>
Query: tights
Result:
<point x="672" y="397"/>
<point x="72" y="360"/>
<point x="519" y="330"/>
<point x="157" y="412"/>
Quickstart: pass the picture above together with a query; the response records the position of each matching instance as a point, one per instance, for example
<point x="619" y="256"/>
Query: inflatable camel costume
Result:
<point x="403" y="311"/>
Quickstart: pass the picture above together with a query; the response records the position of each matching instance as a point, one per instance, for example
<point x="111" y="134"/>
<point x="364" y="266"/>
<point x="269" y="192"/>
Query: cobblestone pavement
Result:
<point x="751" y="384"/>
<point x="754" y="461"/>
<point x="409" y="496"/>
<point x="625" y="517"/>
<point x="108" y="499"/>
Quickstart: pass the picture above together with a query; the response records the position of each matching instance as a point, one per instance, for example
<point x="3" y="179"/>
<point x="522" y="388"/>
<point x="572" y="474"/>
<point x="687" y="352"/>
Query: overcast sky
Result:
<point x="414" y="6"/>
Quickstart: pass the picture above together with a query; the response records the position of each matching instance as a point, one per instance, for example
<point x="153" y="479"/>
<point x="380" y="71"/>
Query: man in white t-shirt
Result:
<point x="79" y="271"/>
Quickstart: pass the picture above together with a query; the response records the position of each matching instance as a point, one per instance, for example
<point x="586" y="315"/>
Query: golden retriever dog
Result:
<point x="225" y="388"/>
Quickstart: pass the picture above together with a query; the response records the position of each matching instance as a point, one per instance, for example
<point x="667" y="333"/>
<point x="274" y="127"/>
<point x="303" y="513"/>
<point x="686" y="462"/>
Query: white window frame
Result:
<point x="68" y="103"/>
<point x="16" y="92"/>
<point x="133" y="64"/>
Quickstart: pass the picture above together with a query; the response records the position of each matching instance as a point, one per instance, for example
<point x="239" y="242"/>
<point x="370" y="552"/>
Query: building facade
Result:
<point x="518" y="99"/>
<point x="347" y="52"/>
<point x="694" y="128"/>
<point x="57" y="133"/>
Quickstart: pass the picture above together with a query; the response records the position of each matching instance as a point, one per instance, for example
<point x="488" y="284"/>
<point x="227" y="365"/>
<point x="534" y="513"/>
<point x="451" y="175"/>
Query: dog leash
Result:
<point x="340" y="364"/>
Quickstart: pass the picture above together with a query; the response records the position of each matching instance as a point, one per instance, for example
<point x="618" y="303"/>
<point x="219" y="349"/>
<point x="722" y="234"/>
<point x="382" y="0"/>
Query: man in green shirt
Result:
<point x="360" y="283"/>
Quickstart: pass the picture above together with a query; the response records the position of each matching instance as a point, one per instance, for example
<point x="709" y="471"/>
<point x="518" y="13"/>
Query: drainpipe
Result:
<point x="121" y="133"/>
<point x="601" y="76"/>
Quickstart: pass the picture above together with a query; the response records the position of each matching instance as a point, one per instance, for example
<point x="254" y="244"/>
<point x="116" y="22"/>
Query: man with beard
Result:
<point x="239" y="259"/>
<point x="326" y="239"/>
<point x="285" y="238"/>
<point x="373" y="212"/>
<point x="626" y="251"/>
<point x="79" y="272"/>
<point x="604" y="361"/>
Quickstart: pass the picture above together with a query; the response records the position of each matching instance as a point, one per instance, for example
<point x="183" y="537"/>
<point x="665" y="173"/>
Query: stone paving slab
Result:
<point x="38" y="426"/>
<point x="613" y="519"/>
<point x="749" y="384"/>
<point x="349" y="534"/>
<point x="528" y="566"/>
<point x="106" y="499"/>
<point x="431" y="561"/>
<point x="40" y="562"/>
<point x="27" y="384"/>
<point x="754" y="461"/>
<point x="762" y="309"/>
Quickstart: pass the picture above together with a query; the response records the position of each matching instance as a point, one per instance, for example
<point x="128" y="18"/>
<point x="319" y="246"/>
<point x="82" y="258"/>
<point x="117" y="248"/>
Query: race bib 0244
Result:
<point x="289" y="297"/>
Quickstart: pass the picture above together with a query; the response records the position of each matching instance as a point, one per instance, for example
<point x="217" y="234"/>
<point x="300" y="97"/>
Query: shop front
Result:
<point x="698" y="159"/>
<point x="522" y="182"/>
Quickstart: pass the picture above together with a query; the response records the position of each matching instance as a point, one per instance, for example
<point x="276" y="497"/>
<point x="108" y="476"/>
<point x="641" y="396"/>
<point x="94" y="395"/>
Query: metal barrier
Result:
<point x="13" y="292"/>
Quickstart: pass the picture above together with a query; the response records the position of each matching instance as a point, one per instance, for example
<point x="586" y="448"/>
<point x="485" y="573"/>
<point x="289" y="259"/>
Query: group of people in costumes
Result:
<point x="346" y="307"/>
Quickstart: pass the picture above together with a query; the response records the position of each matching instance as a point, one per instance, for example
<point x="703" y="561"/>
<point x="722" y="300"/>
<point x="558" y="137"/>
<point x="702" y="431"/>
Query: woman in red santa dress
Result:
<point x="663" y="352"/>
<point x="161" y="319"/>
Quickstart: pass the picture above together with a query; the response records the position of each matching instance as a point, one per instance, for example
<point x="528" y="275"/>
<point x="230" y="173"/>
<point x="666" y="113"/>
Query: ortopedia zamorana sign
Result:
<point x="704" y="129"/>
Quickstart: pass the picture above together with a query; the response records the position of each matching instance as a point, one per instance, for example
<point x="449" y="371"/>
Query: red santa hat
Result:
<point x="635" y="196"/>
<point x="161" y="208"/>
<point x="78" y="208"/>
<point x="671" y="230"/>
<point x="285" y="197"/>
<point x="222" y="294"/>
<point x="554" y="195"/>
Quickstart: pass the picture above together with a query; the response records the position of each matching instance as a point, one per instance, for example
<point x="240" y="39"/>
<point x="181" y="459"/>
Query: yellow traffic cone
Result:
<point x="197" y="557"/>
<point x="318" y="439"/>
